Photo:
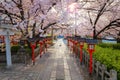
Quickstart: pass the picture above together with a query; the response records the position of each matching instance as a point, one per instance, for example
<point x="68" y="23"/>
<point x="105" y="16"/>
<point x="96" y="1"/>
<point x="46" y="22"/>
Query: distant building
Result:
<point x="109" y="39"/>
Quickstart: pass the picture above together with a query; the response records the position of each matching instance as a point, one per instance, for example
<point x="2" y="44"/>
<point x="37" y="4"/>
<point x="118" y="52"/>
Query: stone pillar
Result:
<point x="8" y="52"/>
<point x="97" y="68"/>
<point x="113" y="75"/>
<point x="103" y="72"/>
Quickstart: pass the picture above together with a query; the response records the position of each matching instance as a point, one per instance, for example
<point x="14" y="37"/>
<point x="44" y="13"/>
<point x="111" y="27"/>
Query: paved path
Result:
<point x="57" y="64"/>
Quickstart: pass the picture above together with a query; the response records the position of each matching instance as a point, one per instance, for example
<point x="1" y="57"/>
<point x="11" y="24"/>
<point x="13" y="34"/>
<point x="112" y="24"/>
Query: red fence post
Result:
<point x="81" y="47"/>
<point x="70" y="45"/>
<point x="80" y="54"/>
<point x="41" y="44"/>
<point x="75" y="42"/>
<point x="90" y="61"/>
<point x="46" y="41"/>
<point x="68" y="42"/>
<point x="2" y="38"/>
<point x="33" y="45"/>
<point x="44" y="45"/>
<point x="73" y="46"/>
<point x="91" y="49"/>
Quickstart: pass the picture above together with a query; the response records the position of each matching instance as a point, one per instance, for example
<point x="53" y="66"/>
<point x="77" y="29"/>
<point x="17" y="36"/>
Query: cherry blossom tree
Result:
<point x="104" y="17"/>
<point x="28" y="14"/>
<point x="97" y="17"/>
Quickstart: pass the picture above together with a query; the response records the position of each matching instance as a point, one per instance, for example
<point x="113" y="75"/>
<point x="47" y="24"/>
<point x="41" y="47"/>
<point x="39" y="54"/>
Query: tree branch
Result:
<point x="49" y="25"/>
<point x="90" y="18"/>
<point x="113" y="23"/>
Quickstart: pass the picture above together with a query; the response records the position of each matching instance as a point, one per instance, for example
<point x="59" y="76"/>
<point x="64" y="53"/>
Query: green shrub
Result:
<point x="106" y="45"/>
<point x="109" y="55"/>
<point x="15" y="48"/>
<point x="109" y="45"/>
<point x="29" y="51"/>
<point x="116" y="46"/>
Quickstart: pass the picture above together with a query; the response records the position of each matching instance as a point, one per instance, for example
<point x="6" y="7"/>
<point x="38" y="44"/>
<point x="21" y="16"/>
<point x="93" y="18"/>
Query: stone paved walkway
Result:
<point x="57" y="64"/>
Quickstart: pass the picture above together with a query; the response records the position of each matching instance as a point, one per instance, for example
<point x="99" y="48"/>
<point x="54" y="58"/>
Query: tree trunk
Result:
<point x="118" y="40"/>
<point x="28" y="44"/>
<point x="94" y="33"/>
